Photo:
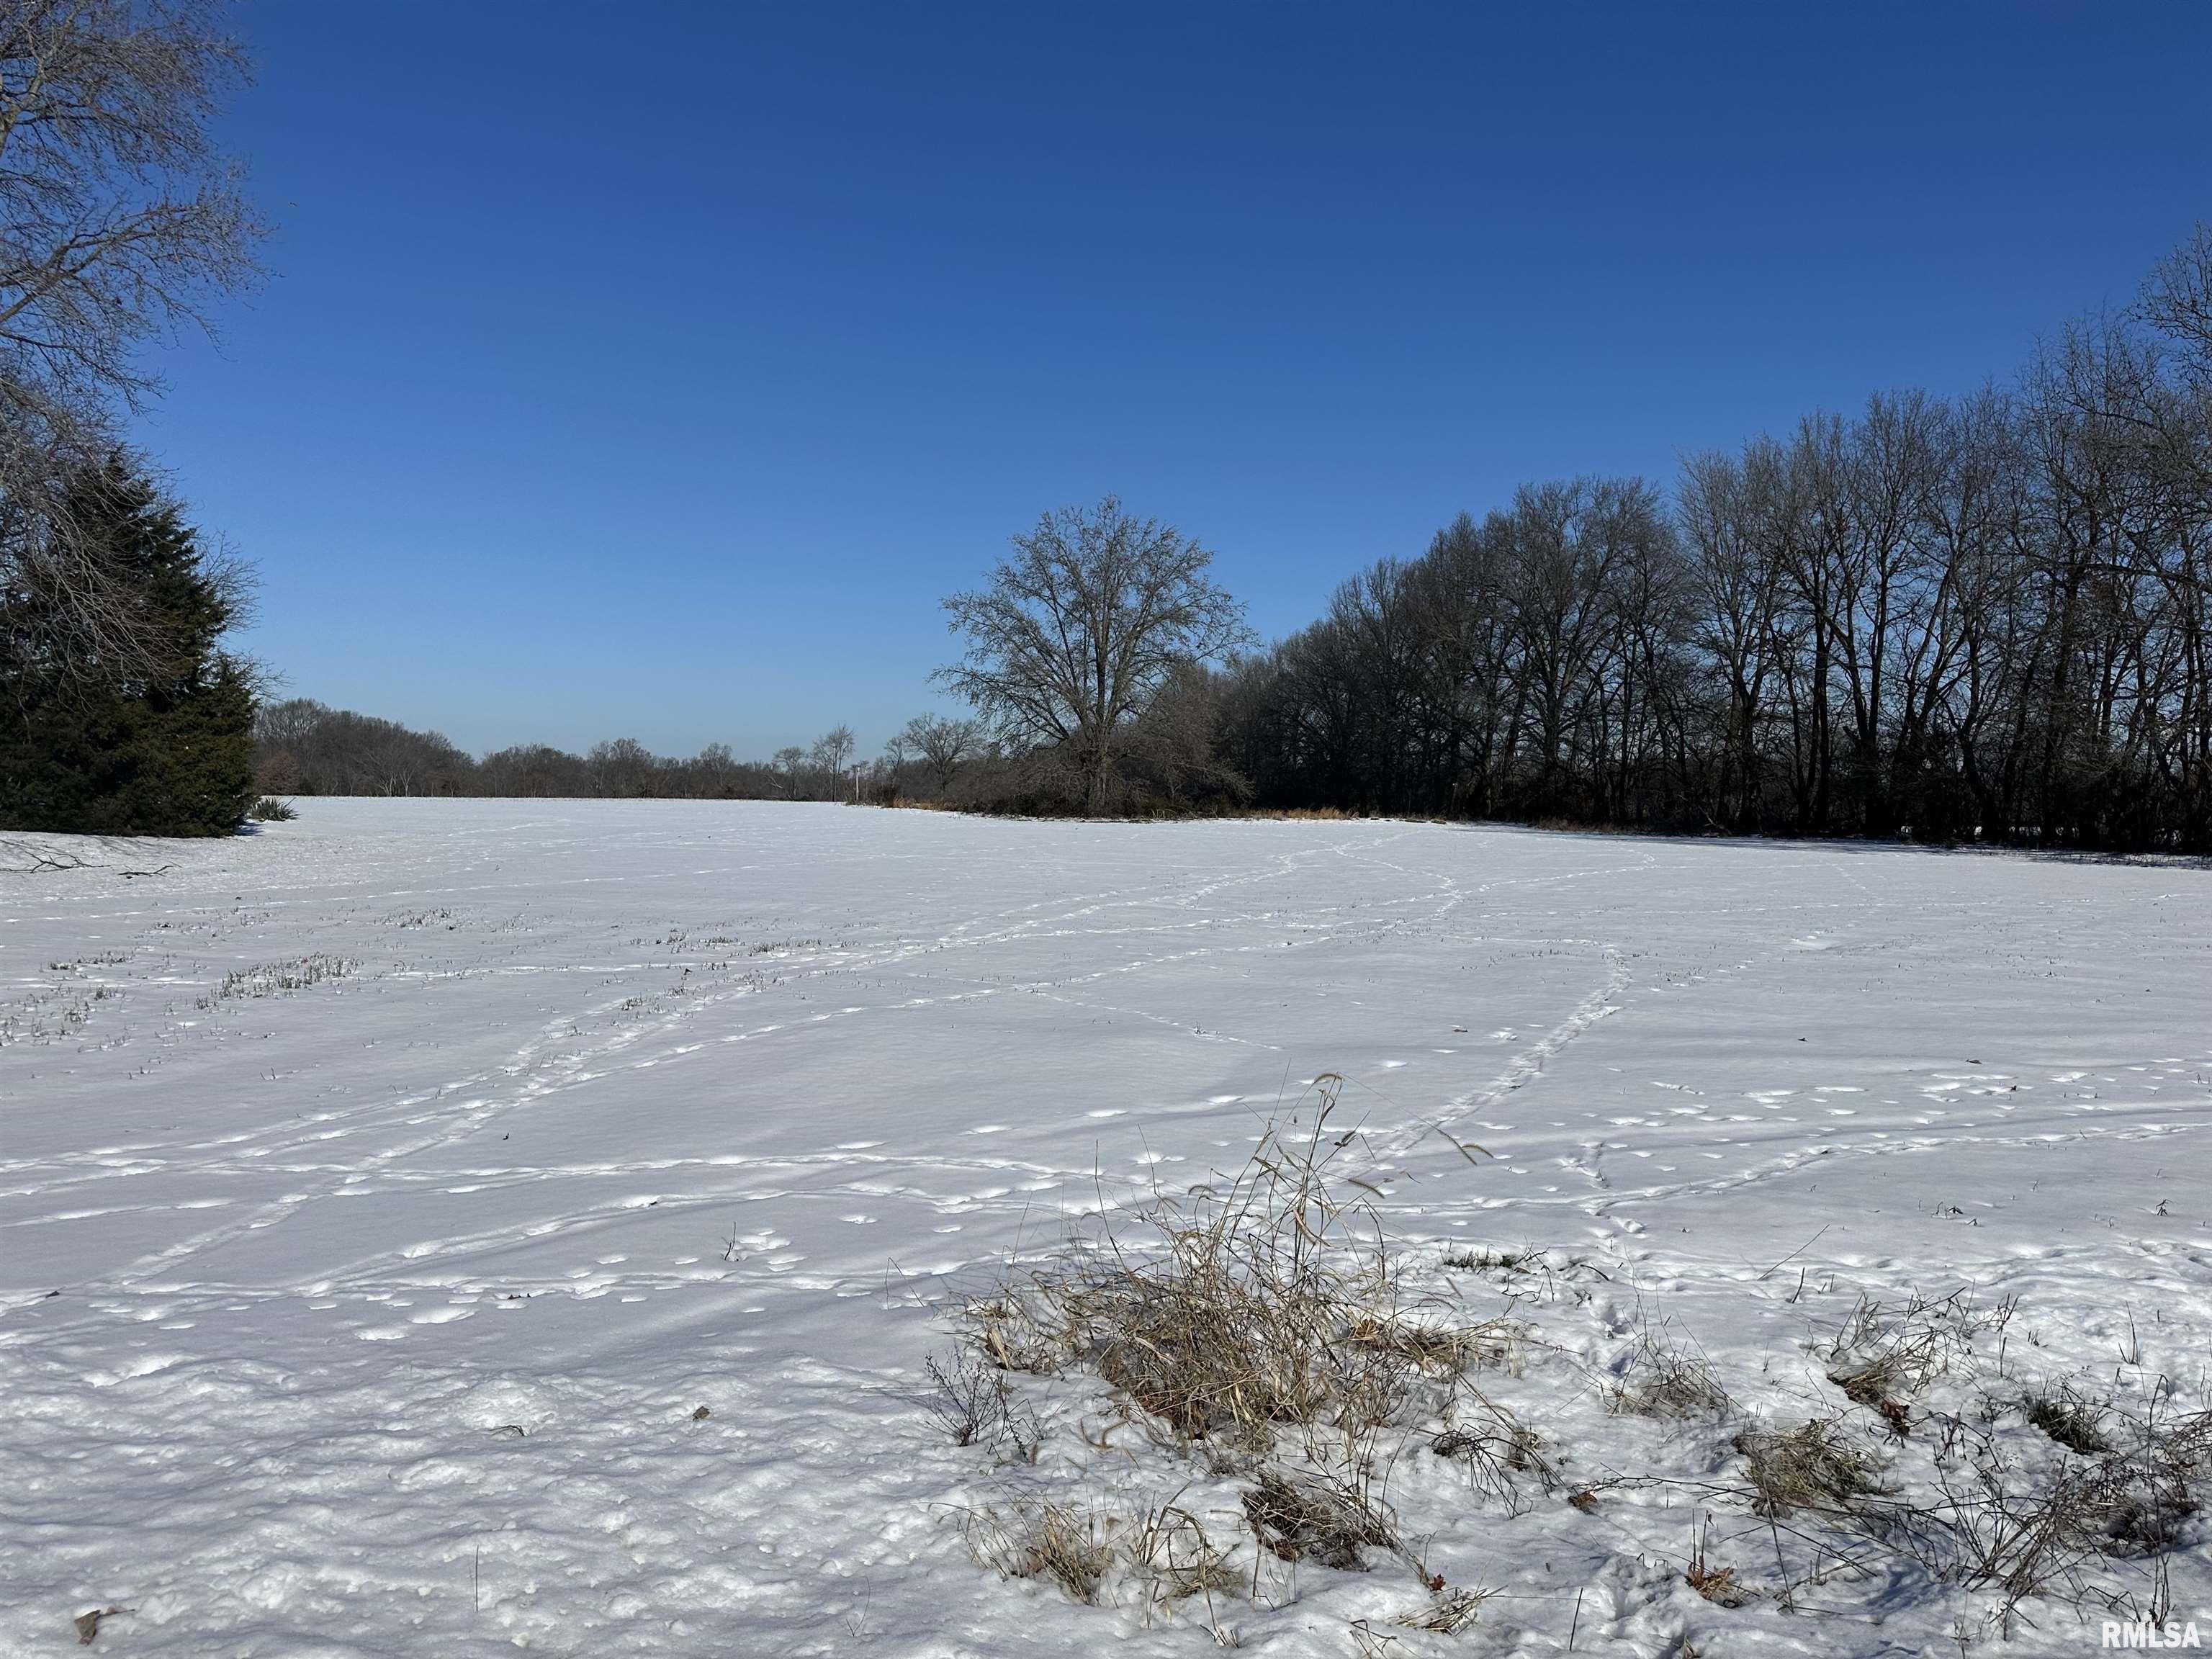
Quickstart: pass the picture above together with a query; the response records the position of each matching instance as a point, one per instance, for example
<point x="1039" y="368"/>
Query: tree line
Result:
<point x="1987" y="616"/>
<point x="1980" y="617"/>
<point x="302" y="747"/>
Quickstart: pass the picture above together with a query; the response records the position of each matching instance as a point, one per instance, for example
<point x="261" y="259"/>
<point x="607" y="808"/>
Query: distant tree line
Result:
<point x="302" y="747"/>
<point x="1988" y="616"/>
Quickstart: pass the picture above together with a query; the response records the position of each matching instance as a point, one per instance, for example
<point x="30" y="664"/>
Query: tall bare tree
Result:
<point x="1080" y="628"/>
<point x="790" y="761"/>
<point x="833" y="751"/>
<point x="120" y="218"/>
<point x="942" y="745"/>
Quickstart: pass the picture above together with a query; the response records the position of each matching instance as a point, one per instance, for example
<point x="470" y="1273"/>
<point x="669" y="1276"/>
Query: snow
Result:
<point x="382" y="1193"/>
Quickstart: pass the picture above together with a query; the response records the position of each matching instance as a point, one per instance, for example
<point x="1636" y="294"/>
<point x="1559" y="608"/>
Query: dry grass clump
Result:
<point x="1170" y="1549"/>
<point x="1809" y="1468"/>
<point x="1047" y="1538"/>
<point x="1718" y="1584"/>
<point x="2024" y="1528"/>
<point x="280" y="978"/>
<point x="1256" y="1326"/>
<point x="2059" y="1496"/>
<point x="1886" y="1356"/>
<point x="1486" y="1261"/>
<point x="1007" y="1327"/>
<point x="1441" y="1350"/>
<point x="1498" y="1456"/>
<point x="2074" y="1423"/>
<point x="1306" y="1517"/>
<point x="1085" y="1547"/>
<point x="1229" y="1312"/>
<point x="2137" y="1480"/>
<point x="1448" y="1611"/>
<point x="1656" y="1379"/>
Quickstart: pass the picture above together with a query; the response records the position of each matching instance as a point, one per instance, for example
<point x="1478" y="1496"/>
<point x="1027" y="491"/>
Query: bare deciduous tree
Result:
<point x="790" y="760"/>
<point x="942" y="745"/>
<point x="833" y="753"/>
<point x="1082" y="625"/>
<point x="120" y="217"/>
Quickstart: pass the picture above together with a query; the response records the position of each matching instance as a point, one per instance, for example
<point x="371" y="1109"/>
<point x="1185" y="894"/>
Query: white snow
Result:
<point x="381" y="1193"/>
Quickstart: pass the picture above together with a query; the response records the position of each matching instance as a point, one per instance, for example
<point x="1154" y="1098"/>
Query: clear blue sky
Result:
<point x="652" y="370"/>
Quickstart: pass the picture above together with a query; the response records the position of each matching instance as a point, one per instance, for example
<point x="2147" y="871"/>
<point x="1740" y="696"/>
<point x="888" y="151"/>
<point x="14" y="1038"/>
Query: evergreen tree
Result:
<point x="157" y="748"/>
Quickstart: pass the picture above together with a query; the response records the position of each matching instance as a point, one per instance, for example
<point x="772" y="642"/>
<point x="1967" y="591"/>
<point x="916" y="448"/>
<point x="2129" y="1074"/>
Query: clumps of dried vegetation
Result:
<point x="2028" y="1521"/>
<point x="2074" y="1423"/>
<point x="1448" y="1611"/>
<point x="276" y="979"/>
<point x="1658" y="1379"/>
<point x="1259" y="1327"/>
<point x="1886" y="1356"/>
<point x="977" y="1406"/>
<point x="1809" y="1469"/>
<point x="1307" y="1518"/>
<point x="1031" y="1537"/>
<point x="1716" y="1583"/>
<point x="1501" y="1455"/>
<point x="1481" y="1261"/>
<point x="1262" y="1338"/>
<point x="2050" y="1494"/>
<point x="1232" y="1313"/>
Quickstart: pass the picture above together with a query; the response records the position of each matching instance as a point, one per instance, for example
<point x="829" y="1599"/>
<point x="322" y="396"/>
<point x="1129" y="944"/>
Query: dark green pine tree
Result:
<point x="165" y="749"/>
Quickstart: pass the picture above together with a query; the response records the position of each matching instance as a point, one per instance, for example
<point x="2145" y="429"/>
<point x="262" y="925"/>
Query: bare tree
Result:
<point x="1082" y="625"/>
<point x="120" y="217"/>
<point x="623" y="768"/>
<point x="790" y="760"/>
<point x="2177" y="296"/>
<point x="943" y="744"/>
<point x="716" y="769"/>
<point x="832" y="753"/>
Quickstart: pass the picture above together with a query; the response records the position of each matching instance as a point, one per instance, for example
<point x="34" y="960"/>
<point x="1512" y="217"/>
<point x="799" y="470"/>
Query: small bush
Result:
<point x="977" y="1408"/>
<point x="270" y="810"/>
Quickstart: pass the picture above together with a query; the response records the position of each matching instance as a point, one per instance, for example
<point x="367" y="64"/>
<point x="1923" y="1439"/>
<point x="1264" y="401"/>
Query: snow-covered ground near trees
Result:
<point x="382" y="1195"/>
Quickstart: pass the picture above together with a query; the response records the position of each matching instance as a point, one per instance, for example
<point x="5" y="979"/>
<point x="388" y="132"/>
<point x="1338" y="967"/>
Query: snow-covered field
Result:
<point x="382" y="1195"/>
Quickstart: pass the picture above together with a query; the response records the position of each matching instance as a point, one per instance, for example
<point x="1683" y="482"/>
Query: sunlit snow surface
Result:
<point x="365" y="1308"/>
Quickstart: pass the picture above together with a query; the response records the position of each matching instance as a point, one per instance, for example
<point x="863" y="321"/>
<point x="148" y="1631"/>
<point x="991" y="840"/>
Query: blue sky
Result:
<point x="653" y="370"/>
